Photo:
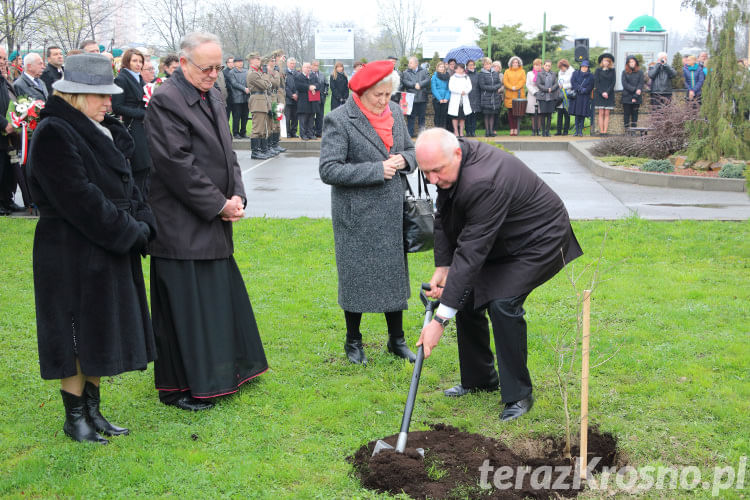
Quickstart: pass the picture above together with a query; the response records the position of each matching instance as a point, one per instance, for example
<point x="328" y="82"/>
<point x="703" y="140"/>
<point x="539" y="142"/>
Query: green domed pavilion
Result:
<point x="646" y="24"/>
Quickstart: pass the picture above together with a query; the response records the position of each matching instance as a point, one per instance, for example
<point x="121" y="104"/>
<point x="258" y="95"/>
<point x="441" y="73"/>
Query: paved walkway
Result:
<point x="288" y="186"/>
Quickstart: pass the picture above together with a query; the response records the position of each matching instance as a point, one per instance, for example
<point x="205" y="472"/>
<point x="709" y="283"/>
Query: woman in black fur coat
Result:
<point x="91" y="310"/>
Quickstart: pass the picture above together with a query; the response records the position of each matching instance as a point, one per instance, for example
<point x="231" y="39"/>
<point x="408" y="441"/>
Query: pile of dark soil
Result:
<point x="454" y="462"/>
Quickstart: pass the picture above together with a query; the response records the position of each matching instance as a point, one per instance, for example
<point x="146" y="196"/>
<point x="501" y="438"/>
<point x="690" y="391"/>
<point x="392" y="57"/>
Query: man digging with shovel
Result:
<point x="500" y="232"/>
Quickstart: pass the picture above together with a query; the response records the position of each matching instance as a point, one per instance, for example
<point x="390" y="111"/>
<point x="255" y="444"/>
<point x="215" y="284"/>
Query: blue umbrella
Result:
<point x="464" y="54"/>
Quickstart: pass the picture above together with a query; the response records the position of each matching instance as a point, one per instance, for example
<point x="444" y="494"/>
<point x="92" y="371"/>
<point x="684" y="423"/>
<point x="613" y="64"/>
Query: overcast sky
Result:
<point x="584" y="18"/>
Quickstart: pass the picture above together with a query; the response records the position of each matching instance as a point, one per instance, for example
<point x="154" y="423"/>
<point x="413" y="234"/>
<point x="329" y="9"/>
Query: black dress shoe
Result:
<point x="355" y="352"/>
<point x="4" y="211"/>
<point x="397" y="346"/>
<point x="15" y="207"/>
<point x="459" y="390"/>
<point x="237" y="136"/>
<point x="514" y="410"/>
<point x="189" y="403"/>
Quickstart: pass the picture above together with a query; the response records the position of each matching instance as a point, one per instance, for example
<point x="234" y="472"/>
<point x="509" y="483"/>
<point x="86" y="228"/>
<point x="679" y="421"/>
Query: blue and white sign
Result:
<point x="440" y="39"/>
<point x="334" y="43"/>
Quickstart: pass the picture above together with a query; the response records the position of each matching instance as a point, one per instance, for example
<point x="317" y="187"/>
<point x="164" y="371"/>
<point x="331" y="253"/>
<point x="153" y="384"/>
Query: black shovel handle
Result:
<point x="430" y="306"/>
<point x="406" y="420"/>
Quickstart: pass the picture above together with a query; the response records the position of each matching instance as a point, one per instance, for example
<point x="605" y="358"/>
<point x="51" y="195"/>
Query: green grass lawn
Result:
<point x="674" y="309"/>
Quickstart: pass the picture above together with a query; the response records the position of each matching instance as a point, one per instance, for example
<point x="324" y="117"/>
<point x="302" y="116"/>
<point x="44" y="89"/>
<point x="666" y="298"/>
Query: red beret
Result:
<point x="370" y="74"/>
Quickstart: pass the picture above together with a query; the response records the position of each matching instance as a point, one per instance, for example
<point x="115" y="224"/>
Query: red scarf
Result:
<point x="383" y="123"/>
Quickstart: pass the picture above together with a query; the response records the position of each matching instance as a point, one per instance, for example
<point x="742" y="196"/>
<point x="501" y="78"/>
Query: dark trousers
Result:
<point x="306" y="125"/>
<point x="319" y="117"/>
<point x="8" y="180"/>
<point x="475" y="356"/>
<point x="630" y="114"/>
<point x="417" y="116"/>
<point x="580" y="122"/>
<point x="471" y="124"/>
<point x="229" y="109"/>
<point x="239" y="118"/>
<point x="290" y="110"/>
<point x="441" y="112"/>
<point x="563" y="121"/>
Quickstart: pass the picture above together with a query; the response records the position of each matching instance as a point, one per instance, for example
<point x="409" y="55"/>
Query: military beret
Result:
<point x="370" y="74"/>
<point x="253" y="55"/>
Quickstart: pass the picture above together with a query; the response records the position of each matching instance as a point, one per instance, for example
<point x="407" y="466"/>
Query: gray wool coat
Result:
<point x="367" y="210"/>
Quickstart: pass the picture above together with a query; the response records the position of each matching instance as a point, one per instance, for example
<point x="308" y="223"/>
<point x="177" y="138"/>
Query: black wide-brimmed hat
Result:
<point x="608" y="56"/>
<point x="87" y="74"/>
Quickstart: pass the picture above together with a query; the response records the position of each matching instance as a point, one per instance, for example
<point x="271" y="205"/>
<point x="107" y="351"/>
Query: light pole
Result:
<point x="610" y="33"/>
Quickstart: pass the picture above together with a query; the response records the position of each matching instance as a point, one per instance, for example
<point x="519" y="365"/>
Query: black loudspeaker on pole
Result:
<point x="581" y="49"/>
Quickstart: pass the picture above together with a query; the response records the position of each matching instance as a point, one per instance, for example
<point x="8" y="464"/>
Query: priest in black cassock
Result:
<point x="206" y="337"/>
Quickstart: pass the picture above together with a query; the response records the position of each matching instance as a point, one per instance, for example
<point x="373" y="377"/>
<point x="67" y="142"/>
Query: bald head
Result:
<point x="439" y="156"/>
<point x="437" y="138"/>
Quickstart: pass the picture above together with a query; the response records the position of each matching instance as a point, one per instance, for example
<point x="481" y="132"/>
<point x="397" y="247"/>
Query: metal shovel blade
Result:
<point x="381" y="445"/>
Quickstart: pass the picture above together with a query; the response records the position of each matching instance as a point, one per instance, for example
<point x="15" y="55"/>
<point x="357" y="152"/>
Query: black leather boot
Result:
<point x="92" y="399"/>
<point x="265" y="149"/>
<point x="276" y="139"/>
<point x="355" y="352"/>
<point x="76" y="425"/>
<point x="397" y="346"/>
<point x="257" y="154"/>
<point x="273" y="144"/>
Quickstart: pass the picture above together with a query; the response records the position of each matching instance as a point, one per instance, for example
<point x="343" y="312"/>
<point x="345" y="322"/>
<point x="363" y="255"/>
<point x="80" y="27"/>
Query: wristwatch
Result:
<point x="443" y="321"/>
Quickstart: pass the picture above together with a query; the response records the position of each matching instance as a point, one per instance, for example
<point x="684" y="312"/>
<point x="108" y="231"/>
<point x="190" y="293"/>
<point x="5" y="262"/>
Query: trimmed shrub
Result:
<point x="732" y="171"/>
<point x="668" y="134"/>
<point x="663" y="166"/>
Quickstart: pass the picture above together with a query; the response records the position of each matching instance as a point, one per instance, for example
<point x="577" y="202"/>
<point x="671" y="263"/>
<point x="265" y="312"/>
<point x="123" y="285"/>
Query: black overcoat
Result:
<point x="88" y="285"/>
<point x="195" y="171"/>
<point x="489" y="83"/>
<point x="630" y="83"/>
<point x="604" y="81"/>
<point x="500" y="228"/>
<point x="132" y="108"/>
<point x="302" y="83"/>
<point x="583" y="83"/>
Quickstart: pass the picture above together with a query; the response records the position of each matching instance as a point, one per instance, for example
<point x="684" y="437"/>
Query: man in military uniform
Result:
<point x="259" y="103"/>
<point x="278" y="95"/>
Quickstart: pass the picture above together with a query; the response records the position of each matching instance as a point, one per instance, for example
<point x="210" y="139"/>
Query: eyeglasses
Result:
<point x="207" y="69"/>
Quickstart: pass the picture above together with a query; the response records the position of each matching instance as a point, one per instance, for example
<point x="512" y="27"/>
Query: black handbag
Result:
<point x="419" y="217"/>
<point x="571" y="93"/>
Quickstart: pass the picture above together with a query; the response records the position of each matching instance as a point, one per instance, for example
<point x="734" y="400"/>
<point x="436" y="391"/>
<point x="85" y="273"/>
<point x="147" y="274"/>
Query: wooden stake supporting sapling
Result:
<point x="585" y="381"/>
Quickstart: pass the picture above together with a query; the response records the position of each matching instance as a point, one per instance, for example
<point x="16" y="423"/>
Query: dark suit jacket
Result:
<point x="25" y="86"/>
<point x="500" y="228"/>
<point x="50" y="76"/>
<point x="194" y="171"/>
<point x="131" y="107"/>
<point x="322" y="84"/>
<point x="302" y="83"/>
<point x="7" y="93"/>
<point x="290" y="87"/>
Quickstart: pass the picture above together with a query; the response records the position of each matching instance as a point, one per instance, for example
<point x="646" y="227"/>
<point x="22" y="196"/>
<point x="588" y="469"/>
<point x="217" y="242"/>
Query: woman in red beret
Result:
<point x="365" y="152"/>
